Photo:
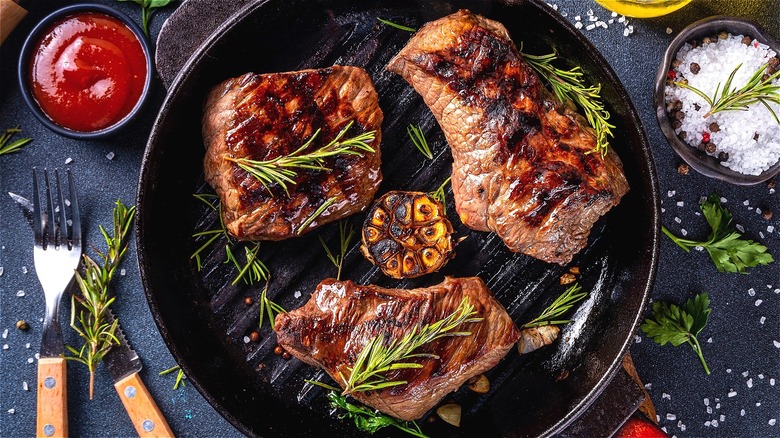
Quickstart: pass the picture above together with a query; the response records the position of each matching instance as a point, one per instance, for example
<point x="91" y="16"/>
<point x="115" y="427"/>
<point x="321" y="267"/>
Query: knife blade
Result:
<point x="124" y="365"/>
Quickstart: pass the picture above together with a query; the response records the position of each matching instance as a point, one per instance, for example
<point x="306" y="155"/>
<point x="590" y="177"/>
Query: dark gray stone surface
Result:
<point x="744" y="328"/>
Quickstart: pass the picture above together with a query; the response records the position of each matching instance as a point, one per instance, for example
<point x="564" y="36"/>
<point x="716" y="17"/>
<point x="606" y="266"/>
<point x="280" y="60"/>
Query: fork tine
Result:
<point x="62" y="234"/>
<point x="49" y="228"/>
<point x="37" y="212"/>
<point x="74" y="211"/>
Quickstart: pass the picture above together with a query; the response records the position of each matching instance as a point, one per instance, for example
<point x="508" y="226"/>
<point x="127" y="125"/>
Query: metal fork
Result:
<point x="57" y="253"/>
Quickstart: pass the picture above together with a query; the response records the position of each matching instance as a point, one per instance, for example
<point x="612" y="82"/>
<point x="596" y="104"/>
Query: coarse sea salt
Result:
<point x="751" y="138"/>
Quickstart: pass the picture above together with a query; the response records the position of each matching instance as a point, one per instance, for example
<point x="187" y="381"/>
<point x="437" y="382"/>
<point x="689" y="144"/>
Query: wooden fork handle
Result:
<point x="52" y="414"/>
<point x="147" y="418"/>
<point x="10" y="15"/>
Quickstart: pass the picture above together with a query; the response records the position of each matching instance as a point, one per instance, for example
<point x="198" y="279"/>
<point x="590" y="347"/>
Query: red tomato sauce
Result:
<point x="88" y="71"/>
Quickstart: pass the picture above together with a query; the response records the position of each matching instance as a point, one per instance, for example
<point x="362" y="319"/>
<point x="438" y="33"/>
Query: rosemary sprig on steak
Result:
<point x="558" y="308"/>
<point x="282" y="170"/>
<point x="317" y="213"/>
<point x="568" y="85"/>
<point x="376" y="358"/>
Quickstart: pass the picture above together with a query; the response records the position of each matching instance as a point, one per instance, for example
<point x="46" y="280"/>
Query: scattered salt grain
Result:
<point x="680" y="204"/>
<point x="637" y="339"/>
<point x="578" y="25"/>
<point x="27" y="345"/>
<point x="770" y="229"/>
<point x="717" y="406"/>
<point x="684" y="232"/>
<point x="714" y="423"/>
<point x="749" y="383"/>
<point x="671" y="417"/>
<point x="742" y="413"/>
<point x="614" y="14"/>
<point x="758" y="404"/>
<point x="37" y="356"/>
<point x="709" y="409"/>
<point x="648" y="386"/>
<point x="772" y="422"/>
<point x="625" y="32"/>
<point x="122" y="272"/>
<point x="761" y="234"/>
<point x="611" y="21"/>
<point x="297" y="294"/>
<point x="669" y="30"/>
<point x="740" y="228"/>
<point x="723" y="200"/>
<point x="590" y="27"/>
<point x="622" y="19"/>
<point x="706" y="402"/>
<point x="25" y="386"/>
<point x="707" y="423"/>
<point x="20" y="293"/>
<point x="682" y="428"/>
<point x="110" y="155"/>
<point x="1" y="271"/>
<point x="746" y="202"/>
<point x="777" y="344"/>
<point x="762" y="321"/>
<point x="30" y="360"/>
<point x="758" y="302"/>
<point x="666" y="396"/>
<point x="752" y="292"/>
<point x="670" y="193"/>
<point x="589" y="13"/>
<point x="593" y="18"/>
<point x="761" y="376"/>
<point x="5" y="333"/>
<point x="246" y="339"/>
<point x="722" y="418"/>
<point x="709" y="340"/>
<point x="728" y="370"/>
<point x="745" y="373"/>
<point x="5" y="346"/>
<point x="732" y="393"/>
<point x="24" y="269"/>
<point x="68" y="160"/>
<point x="577" y="18"/>
<point x="12" y="411"/>
<point x="678" y="220"/>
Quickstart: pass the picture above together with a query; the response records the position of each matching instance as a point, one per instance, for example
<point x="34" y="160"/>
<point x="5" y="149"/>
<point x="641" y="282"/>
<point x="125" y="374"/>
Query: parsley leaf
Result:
<point x="728" y="250"/>
<point x="679" y="325"/>
<point x="147" y="7"/>
<point x="369" y="420"/>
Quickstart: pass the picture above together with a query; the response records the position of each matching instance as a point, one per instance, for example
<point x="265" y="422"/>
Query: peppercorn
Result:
<point x="22" y="325"/>
<point x="575" y="270"/>
<point x="710" y="148"/>
<point x="723" y="35"/>
<point x="675" y="63"/>
<point x="679" y="115"/>
<point x="773" y="62"/>
<point x="678" y="105"/>
<point x="567" y="278"/>
<point x="766" y="213"/>
<point x="248" y="301"/>
<point x="682" y="135"/>
<point x="746" y="40"/>
<point x="696" y="106"/>
<point x="705" y="137"/>
<point x="702" y="147"/>
<point x="706" y="40"/>
<point x="677" y="124"/>
<point x="723" y="156"/>
<point x="278" y="350"/>
<point x="695" y="68"/>
<point x="683" y="169"/>
<point x="771" y="183"/>
<point x="714" y="127"/>
<point x="286" y="356"/>
<point x="755" y="137"/>
<point x="254" y="336"/>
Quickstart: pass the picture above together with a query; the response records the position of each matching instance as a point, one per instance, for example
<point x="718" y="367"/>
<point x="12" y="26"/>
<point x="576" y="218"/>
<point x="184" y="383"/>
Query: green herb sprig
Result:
<point x="253" y="270"/>
<point x="317" y="213"/>
<point x="569" y="85"/>
<point x="147" y="9"/>
<point x="283" y="169"/>
<point x="755" y="90"/>
<point x="396" y="25"/>
<point x="552" y="314"/>
<point x="346" y="233"/>
<point x="268" y="308"/>
<point x="15" y="146"/>
<point x="419" y="140"/>
<point x="376" y="358"/>
<point x="727" y="249"/>
<point x="438" y="194"/>
<point x="369" y="420"/>
<point x="679" y="325"/>
<point x="89" y="309"/>
<point x="179" y="375"/>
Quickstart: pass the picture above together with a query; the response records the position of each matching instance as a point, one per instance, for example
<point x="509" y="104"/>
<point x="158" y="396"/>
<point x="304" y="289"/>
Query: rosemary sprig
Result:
<point x="558" y="308"/>
<point x="376" y="358"/>
<point x="346" y="233"/>
<point x="755" y="90"/>
<point x="438" y="194"/>
<point x="396" y="25"/>
<point x="418" y="138"/>
<point x="283" y="169"/>
<point x="568" y="84"/>
<point x="317" y="213"/>
<point x="179" y="375"/>
<point x="213" y="203"/>
<point x="15" y="146"/>
<point x="88" y="315"/>
<point x="369" y="420"/>
<point x="268" y="307"/>
<point x="253" y="270"/>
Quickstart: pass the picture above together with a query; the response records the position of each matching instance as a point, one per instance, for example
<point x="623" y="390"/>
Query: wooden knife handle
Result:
<point x="52" y="414"/>
<point x="147" y="418"/>
<point x="10" y="15"/>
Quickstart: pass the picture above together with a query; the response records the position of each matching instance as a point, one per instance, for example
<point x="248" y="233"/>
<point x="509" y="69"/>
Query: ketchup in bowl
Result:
<point x="87" y="71"/>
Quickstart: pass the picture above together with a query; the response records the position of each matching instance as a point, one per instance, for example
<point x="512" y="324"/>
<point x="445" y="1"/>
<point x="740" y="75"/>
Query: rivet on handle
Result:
<point x="48" y="430"/>
<point x="130" y="392"/>
<point x="148" y="425"/>
<point x="49" y="382"/>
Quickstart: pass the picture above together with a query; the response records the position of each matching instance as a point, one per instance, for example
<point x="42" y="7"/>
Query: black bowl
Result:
<point x="32" y="41"/>
<point x="705" y="164"/>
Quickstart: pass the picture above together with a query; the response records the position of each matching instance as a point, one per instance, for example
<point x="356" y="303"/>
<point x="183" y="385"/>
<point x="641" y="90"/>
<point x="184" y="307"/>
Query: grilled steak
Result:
<point x="262" y="117"/>
<point x="522" y="166"/>
<point x="340" y="318"/>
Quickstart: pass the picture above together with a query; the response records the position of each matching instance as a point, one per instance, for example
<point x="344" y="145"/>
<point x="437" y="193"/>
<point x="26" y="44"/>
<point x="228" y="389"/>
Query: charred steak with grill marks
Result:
<point x="522" y="163"/>
<point x="340" y="318"/>
<point x="262" y="117"/>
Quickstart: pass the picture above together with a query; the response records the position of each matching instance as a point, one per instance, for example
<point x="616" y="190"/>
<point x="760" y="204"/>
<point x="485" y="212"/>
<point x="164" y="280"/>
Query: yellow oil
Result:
<point x="643" y="8"/>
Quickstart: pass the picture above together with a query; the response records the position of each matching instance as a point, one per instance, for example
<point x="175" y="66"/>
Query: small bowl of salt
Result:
<point x="717" y="99"/>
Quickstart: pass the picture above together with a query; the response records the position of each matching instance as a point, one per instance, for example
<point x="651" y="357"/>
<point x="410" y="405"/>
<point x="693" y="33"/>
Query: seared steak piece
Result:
<point x="522" y="166"/>
<point x="262" y="117"/>
<point x="340" y="318"/>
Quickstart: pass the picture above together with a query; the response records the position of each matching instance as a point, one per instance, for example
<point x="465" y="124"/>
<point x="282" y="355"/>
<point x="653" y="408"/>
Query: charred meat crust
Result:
<point x="331" y="329"/>
<point x="523" y="166"/>
<point x="264" y="116"/>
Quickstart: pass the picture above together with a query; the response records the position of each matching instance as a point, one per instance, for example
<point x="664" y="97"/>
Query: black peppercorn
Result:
<point x="723" y="156"/>
<point x="695" y="68"/>
<point x="679" y="115"/>
<point x="676" y="124"/>
<point x="682" y="135"/>
<point x="714" y="127"/>
<point x="683" y="169"/>
<point x="710" y="147"/>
